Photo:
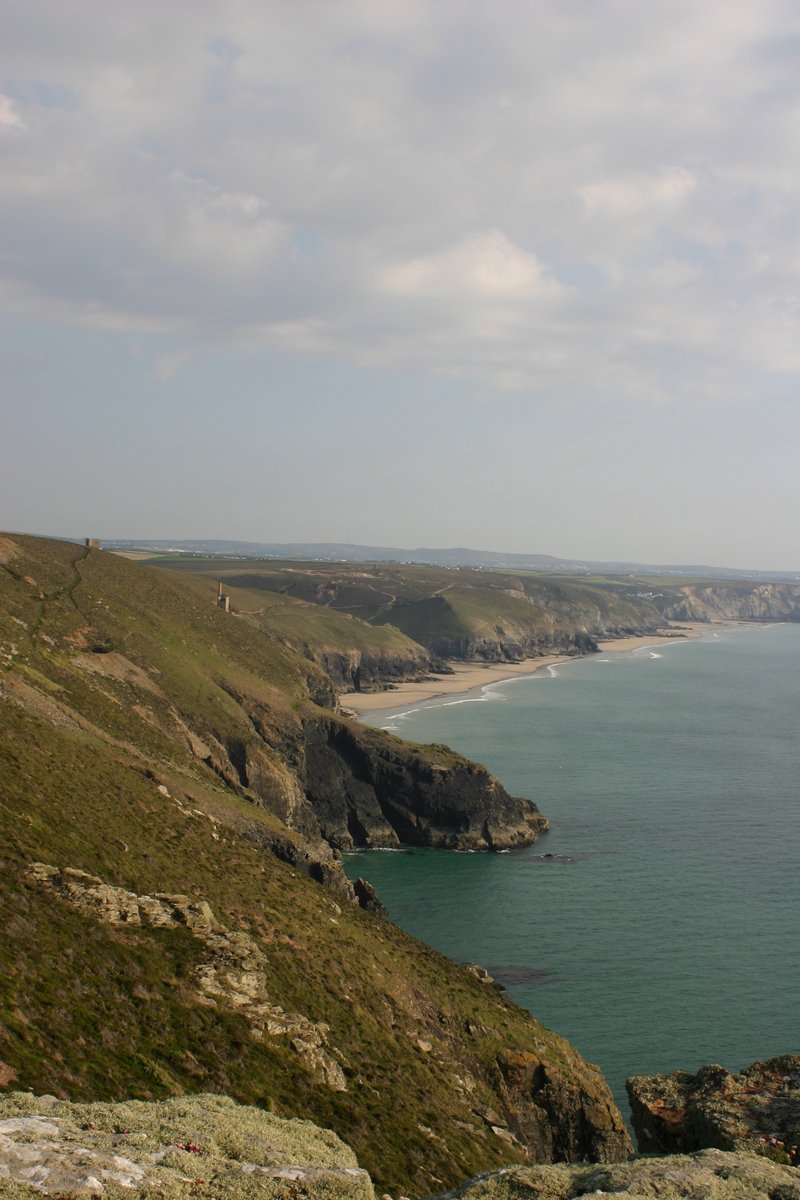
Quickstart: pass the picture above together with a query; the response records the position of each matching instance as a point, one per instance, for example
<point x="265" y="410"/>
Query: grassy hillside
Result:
<point x="463" y="614"/>
<point x="356" y="655"/>
<point x="152" y="741"/>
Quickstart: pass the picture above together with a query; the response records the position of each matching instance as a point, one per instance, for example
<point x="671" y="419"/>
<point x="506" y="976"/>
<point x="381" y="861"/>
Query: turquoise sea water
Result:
<point x="664" y="932"/>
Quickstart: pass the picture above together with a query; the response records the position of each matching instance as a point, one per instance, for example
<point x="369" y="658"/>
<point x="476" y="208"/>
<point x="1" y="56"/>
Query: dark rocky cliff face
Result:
<point x="368" y="790"/>
<point x="504" y="646"/>
<point x="557" y="1120"/>
<point x="345" y="784"/>
<point x="357" y="671"/>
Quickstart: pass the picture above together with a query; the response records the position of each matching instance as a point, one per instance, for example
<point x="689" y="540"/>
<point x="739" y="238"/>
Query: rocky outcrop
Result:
<point x="556" y="1118"/>
<point x="365" y="671"/>
<point x="709" y="1175"/>
<point x="336" y="781"/>
<point x="314" y="859"/>
<point x="367" y="789"/>
<point x="206" y="1145"/>
<point x="232" y="970"/>
<point x="735" y="602"/>
<point x="508" y="646"/>
<point x="758" y="1109"/>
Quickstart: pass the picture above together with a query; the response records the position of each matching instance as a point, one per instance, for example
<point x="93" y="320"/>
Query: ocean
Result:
<point x="656" y="925"/>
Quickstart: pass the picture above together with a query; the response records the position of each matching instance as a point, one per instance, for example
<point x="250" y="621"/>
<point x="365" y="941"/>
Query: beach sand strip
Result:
<point x="467" y="676"/>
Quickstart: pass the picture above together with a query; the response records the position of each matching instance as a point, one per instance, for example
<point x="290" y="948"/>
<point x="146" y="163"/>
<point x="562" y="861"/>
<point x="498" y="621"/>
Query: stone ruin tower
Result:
<point x="223" y="599"/>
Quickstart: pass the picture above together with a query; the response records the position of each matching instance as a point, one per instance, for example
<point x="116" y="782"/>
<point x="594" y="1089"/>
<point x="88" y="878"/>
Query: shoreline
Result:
<point x="471" y="676"/>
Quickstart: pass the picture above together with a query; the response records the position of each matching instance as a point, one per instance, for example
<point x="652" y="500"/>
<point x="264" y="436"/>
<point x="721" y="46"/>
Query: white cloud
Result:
<point x="9" y="113"/>
<point x="486" y="266"/>
<point x="626" y="197"/>
<point x="168" y="364"/>
<point x="539" y="196"/>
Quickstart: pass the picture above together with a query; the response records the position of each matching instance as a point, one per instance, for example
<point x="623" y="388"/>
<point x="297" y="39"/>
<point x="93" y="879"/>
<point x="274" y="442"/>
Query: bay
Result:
<point x="663" y="931"/>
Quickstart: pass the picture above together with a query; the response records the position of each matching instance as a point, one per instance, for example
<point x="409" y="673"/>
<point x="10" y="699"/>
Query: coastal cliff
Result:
<point x="367" y="671"/>
<point x="726" y="601"/>
<point x="353" y="654"/>
<point x="344" y="784"/>
<point x="467" y="615"/>
<point x="169" y="778"/>
<point x="366" y="790"/>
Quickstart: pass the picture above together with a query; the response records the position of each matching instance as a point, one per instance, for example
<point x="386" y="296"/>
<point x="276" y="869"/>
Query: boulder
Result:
<point x="758" y="1109"/>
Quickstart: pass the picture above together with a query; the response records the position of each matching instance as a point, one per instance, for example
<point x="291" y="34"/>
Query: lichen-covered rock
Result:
<point x="714" y="1107"/>
<point x="708" y="1175"/>
<point x="195" y="1145"/>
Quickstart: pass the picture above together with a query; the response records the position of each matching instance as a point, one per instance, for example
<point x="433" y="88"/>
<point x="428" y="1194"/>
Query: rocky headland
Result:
<point x="367" y="791"/>
<point x="429" y="614"/>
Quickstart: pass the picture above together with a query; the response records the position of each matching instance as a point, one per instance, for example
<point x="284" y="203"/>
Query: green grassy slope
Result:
<point x="123" y="698"/>
<point x="461" y="614"/>
<point x="356" y="655"/>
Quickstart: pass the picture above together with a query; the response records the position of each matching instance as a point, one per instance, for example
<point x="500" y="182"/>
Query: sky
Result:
<point x="520" y="276"/>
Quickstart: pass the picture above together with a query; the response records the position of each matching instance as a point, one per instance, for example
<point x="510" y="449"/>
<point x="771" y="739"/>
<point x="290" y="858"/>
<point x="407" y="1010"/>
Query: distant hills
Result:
<point x="461" y="556"/>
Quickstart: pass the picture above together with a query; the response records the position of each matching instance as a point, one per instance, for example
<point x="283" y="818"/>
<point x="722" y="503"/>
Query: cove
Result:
<point x="656" y="925"/>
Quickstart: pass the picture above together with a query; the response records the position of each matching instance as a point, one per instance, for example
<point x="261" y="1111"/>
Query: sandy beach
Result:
<point x="467" y="676"/>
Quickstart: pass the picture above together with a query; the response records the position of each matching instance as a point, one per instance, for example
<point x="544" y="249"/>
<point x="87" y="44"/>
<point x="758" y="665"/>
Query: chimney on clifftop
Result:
<point x="223" y="600"/>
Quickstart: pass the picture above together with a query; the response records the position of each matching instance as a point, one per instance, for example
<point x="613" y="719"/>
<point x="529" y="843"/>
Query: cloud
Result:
<point x="168" y="364"/>
<point x="544" y="197"/>
<point x="626" y="197"/>
<point x="9" y="113"/>
<point x="486" y="266"/>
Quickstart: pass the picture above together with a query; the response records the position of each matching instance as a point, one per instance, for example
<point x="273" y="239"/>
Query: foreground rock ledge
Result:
<point x="209" y="1146"/>
<point x="708" y="1175"/>
<point x="192" y="1146"/>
